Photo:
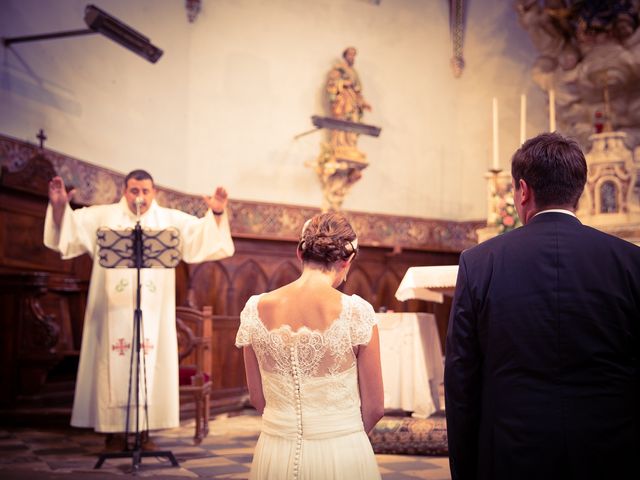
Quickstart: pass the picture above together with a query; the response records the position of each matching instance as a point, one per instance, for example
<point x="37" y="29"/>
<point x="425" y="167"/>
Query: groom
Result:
<point x="542" y="372"/>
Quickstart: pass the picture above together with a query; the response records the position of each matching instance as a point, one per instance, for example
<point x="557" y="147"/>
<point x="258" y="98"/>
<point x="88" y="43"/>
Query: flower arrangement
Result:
<point x="504" y="215"/>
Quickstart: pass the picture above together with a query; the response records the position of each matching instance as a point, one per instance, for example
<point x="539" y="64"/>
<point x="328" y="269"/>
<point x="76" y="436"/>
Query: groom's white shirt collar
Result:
<point x="556" y="210"/>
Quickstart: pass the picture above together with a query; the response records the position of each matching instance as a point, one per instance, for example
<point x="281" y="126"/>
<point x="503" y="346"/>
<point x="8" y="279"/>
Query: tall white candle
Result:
<point x="496" y="162"/>
<point x="552" y="110"/>
<point x="523" y="118"/>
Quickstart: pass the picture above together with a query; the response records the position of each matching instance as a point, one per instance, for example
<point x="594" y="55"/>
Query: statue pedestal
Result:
<point x="338" y="169"/>
<point x="340" y="163"/>
<point x="350" y="154"/>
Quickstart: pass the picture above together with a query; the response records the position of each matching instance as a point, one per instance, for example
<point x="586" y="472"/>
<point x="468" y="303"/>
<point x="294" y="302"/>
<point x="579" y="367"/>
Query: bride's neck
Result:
<point x="316" y="277"/>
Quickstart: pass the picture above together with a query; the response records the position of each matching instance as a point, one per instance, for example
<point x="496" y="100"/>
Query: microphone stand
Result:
<point x="136" y="452"/>
<point x="137" y="324"/>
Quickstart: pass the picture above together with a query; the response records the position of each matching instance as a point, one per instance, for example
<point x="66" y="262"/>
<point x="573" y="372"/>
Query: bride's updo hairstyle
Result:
<point x="327" y="238"/>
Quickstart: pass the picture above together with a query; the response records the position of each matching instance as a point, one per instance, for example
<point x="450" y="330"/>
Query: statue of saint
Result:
<point x="344" y="92"/>
<point x="340" y="163"/>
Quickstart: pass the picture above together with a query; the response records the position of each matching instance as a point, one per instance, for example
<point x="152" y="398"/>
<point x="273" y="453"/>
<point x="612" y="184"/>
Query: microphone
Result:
<point x="139" y="201"/>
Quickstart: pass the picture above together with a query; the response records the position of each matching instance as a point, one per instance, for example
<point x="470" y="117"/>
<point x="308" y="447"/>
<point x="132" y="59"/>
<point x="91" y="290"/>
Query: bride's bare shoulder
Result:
<point x="277" y="295"/>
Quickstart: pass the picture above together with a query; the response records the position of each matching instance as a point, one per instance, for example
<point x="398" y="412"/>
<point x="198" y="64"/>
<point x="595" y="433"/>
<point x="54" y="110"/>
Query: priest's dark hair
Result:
<point x="554" y="167"/>
<point x="138" y="175"/>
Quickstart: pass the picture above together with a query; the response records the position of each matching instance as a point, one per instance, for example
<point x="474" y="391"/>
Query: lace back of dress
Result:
<point x="318" y="354"/>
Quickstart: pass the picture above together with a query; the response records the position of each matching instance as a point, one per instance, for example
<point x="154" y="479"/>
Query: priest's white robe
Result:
<point x="103" y="372"/>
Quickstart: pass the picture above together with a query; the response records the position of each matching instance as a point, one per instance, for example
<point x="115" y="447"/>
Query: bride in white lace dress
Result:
<point x="312" y="359"/>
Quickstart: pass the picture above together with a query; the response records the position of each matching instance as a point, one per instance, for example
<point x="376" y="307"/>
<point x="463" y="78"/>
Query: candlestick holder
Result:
<point x="501" y="212"/>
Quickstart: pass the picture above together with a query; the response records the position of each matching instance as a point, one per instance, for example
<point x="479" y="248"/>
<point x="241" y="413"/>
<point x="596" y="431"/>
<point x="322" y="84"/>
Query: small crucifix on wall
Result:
<point x="42" y="137"/>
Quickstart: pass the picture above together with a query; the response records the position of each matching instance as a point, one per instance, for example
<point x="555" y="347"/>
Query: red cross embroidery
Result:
<point x="120" y="346"/>
<point x="147" y="346"/>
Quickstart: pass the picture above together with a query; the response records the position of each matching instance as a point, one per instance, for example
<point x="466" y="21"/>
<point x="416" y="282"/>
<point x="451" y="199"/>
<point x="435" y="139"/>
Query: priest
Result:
<point x="102" y="383"/>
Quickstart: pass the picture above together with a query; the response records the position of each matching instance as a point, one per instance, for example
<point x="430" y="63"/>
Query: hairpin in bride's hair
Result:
<point x="354" y="248"/>
<point x="301" y="243"/>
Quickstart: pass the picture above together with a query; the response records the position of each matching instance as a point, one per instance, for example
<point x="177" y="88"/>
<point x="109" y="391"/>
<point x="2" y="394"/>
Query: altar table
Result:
<point x="411" y="357"/>
<point x="428" y="283"/>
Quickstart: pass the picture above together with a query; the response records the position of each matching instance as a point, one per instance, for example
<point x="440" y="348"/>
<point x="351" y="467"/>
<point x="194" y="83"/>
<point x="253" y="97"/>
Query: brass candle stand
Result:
<point x="498" y="188"/>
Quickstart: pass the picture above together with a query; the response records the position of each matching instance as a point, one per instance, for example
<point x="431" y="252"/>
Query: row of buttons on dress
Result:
<point x="295" y="367"/>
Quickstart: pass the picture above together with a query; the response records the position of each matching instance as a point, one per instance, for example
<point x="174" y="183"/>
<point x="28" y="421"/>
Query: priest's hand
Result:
<point x="59" y="198"/>
<point x="217" y="202"/>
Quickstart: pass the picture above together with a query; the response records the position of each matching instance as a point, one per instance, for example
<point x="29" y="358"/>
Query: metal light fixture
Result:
<point x="100" y="21"/>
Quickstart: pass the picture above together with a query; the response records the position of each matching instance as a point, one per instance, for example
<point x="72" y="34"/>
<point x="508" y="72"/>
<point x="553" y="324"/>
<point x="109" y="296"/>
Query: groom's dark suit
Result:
<point x="542" y="375"/>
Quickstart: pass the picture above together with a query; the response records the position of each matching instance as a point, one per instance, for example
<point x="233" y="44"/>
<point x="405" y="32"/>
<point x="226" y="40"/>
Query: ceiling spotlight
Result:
<point x="100" y="21"/>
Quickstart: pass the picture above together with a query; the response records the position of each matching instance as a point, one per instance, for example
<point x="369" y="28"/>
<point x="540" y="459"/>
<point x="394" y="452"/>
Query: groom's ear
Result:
<point x="528" y="195"/>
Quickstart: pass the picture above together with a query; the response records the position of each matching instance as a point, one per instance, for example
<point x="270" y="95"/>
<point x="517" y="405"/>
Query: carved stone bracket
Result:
<point x="337" y="169"/>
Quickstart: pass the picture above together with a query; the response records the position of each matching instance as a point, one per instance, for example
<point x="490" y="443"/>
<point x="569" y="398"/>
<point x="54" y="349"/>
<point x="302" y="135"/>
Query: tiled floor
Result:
<point x="226" y="453"/>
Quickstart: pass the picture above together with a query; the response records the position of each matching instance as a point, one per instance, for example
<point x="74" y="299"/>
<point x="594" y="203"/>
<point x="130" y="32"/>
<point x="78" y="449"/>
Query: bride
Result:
<point x="312" y="360"/>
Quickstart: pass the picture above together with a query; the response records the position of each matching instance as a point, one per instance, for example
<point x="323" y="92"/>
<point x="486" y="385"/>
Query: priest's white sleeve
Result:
<point x="75" y="236"/>
<point x="203" y="239"/>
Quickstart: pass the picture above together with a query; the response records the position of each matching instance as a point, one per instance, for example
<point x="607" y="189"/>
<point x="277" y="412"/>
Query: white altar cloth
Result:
<point x="427" y="283"/>
<point x="412" y="368"/>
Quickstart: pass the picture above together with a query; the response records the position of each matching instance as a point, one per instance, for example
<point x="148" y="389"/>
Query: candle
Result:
<point x="523" y="118"/>
<point x="496" y="163"/>
<point x="552" y="110"/>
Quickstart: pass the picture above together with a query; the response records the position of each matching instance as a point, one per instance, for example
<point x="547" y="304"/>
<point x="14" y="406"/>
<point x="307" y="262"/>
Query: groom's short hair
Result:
<point x="553" y="166"/>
